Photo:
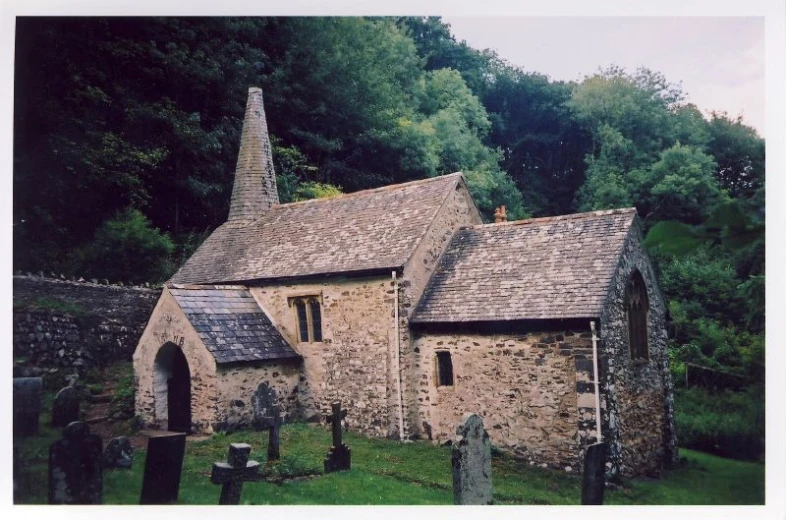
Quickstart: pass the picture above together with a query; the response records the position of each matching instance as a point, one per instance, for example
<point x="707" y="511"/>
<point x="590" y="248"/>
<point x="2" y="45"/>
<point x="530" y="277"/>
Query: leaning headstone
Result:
<point x="273" y="424"/>
<point x="65" y="408"/>
<point x="339" y="456"/>
<point x="75" y="467"/>
<point x="471" y="459"/>
<point x="27" y="405"/>
<point x="593" y="481"/>
<point x="119" y="453"/>
<point x="163" y="468"/>
<point x="262" y="401"/>
<point x="233" y="473"/>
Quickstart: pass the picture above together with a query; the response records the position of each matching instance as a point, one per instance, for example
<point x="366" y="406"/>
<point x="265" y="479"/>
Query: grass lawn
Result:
<point x="388" y="472"/>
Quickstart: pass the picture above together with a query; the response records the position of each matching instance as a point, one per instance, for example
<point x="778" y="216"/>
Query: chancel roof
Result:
<point x="231" y="324"/>
<point x="544" y="268"/>
<point x="364" y="231"/>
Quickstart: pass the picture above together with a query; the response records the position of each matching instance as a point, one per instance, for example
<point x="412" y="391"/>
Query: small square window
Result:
<point x="308" y="314"/>
<point x="444" y="369"/>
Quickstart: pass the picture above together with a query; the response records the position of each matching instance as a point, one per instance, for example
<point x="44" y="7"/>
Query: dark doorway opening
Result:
<point x="179" y="394"/>
<point x="172" y="386"/>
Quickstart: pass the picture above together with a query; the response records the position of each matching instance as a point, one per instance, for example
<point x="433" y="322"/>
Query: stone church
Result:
<point x="403" y="305"/>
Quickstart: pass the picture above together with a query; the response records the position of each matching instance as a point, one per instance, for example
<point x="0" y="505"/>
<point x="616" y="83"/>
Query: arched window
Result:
<point x="637" y="306"/>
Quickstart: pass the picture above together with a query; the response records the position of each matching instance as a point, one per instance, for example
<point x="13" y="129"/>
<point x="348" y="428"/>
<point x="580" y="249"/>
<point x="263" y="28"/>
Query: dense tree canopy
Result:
<point x="126" y="133"/>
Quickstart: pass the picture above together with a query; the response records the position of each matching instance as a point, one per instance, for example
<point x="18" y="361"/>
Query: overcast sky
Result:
<point x="719" y="61"/>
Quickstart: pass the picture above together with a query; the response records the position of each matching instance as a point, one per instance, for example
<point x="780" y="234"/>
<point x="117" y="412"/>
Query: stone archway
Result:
<point x="172" y="389"/>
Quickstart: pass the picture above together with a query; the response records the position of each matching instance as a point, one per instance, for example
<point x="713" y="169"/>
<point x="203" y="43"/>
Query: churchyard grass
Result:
<point x="389" y="472"/>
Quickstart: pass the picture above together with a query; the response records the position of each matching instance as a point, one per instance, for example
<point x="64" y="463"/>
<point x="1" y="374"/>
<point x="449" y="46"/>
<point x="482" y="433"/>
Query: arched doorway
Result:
<point x="172" y="386"/>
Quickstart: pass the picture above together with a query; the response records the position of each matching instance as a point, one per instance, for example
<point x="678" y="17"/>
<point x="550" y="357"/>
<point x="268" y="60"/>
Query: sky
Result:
<point x="718" y="60"/>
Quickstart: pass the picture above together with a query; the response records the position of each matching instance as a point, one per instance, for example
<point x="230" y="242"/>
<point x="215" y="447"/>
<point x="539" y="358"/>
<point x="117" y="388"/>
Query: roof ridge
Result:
<point x="199" y="287"/>
<point x="570" y="216"/>
<point x="388" y="187"/>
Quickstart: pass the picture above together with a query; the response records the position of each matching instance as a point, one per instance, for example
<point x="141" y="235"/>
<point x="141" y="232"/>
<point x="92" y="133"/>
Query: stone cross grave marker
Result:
<point x="75" y="467"/>
<point x="163" y="468"/>
<point x="119" y="453"/>
<point x="272" y="423"/>
<point x="593" y="481"/>
<point x="471" y="459"/>
<point x="233" y="473"/>
<point x="65" y="408"/>
<point x="27" y="405"/>
<point x="339" y="455"/>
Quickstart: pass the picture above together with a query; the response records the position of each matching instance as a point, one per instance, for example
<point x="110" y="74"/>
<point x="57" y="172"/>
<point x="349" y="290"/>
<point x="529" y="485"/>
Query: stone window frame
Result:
<point x="439" y="371"/>
<point x="637" y="316"/>
<point x="310" y="303"/>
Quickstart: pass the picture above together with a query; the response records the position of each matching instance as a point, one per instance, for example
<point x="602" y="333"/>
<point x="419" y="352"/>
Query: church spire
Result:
<point x="254" y="190"/>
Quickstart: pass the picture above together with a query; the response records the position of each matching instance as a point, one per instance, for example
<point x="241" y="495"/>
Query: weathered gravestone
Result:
<point x="273" y="424"/>
<point x="75" y="467"/>
<point x="263" y="400"/>
<point x="27" y="405"/>
<point x="119" y="453"/>
<point x="65" y="408"/>
<point x="593" y="481"/>
<point x="339" y="455"/>
<point x="471" y="459"/>
<point x="233" y="473"/>
<point x="163" y="467"/>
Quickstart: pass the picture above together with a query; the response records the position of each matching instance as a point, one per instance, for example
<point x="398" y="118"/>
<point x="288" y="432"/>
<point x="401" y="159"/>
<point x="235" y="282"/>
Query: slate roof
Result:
<point x="231" y="324"/>
<point x="544" y="268"/>
<point x="362" y="231"/>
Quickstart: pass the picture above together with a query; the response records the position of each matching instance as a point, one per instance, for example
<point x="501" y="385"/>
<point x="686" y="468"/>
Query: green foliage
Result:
<point x="730" y="424"/>
<point x="52" y="304"/>
<point x="315" y="190"/>
<point x="122" y="404"/>
<point x="126" y="247"/>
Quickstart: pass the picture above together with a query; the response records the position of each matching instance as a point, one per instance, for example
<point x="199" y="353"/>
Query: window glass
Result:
<point x="316" y="320"/>
<point x="444" y="369"/>
<point x="302" y="320"/>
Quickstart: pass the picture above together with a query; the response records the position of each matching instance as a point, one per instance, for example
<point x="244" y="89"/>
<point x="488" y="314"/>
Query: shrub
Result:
<point x="730" y="424"/>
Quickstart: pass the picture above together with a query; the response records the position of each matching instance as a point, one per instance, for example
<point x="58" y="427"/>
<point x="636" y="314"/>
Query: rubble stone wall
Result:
<point x="353" y="364"/>
<point x="457" y="211"/>
<point x="531" y="390"/>
<point x="237" y="384"/>
<point x="62" y="326"/>
<point x="642" y="403"/>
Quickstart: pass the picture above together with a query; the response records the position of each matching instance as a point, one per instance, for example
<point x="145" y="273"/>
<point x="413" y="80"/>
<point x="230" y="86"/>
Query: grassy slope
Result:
<point x="385" y="472"/>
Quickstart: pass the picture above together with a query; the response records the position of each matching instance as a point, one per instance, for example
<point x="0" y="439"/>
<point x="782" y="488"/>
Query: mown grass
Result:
<point x="390" y="473"/>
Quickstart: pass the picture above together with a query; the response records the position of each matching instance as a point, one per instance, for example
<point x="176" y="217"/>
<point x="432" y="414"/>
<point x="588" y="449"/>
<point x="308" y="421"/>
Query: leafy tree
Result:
<point x="739" y="152"/>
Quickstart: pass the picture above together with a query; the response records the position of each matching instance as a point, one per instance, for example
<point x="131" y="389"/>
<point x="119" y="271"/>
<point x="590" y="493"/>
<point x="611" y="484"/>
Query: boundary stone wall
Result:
<point x="62" y="326"/>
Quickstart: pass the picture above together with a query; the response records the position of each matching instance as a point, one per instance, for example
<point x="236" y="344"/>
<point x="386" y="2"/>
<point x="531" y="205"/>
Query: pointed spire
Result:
<point x="254" y="190"/>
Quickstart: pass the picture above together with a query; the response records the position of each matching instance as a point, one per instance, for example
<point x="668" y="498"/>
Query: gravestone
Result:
<point x="471" y="459"/>
<point x="75" y="467"/>
<point x="339" y="456"/>
<point x="273" y="424"/>
<point x="119" y="453"/>
<point x="27" y="405"/>
<point x="65" y="408"/>
<point x="593" y="481"/>
<point x="233" y="473"/>
<point x="163" y="467"/>
<point x="262" y="401"/>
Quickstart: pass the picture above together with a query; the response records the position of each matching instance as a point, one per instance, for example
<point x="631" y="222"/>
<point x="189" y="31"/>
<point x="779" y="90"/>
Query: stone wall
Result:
<point x="169" y="326"/>
<point x="530" y="390"/>
<point x="353" y="364"/>
<point x="458" y="210"/>
<point x="237" y="384"/>
<point x="639" y="416"/>
<point x="64" y="326"/>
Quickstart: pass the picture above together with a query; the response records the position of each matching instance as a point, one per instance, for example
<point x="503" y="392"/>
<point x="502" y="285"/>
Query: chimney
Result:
<point x="500" y="215"/>
<point x="254" y="190"/>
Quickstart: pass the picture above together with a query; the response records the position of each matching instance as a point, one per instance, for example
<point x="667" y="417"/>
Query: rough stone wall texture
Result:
<point x="237" y="384"/>
<point x="104" y="329"/>
<point x="353" y="363"/>
<point x="525" y="387"/>
<point x="640" y="411"/>
<point x="168" y="324"/>
<point x="458" y="210"/>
